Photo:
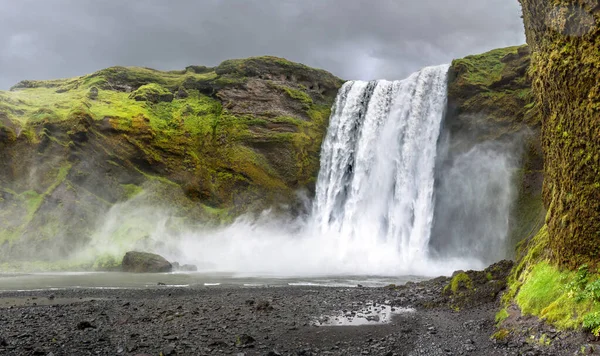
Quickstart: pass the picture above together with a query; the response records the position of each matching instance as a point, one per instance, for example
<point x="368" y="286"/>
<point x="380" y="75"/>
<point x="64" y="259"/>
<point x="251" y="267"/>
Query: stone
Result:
<point x="169" y="350"/>
<point x="144" y="262"/>
<point x="93" y="93"/>
<point x="244" y="341"/>
<point x="82" y="325"/>
<point x="181" y="93"/>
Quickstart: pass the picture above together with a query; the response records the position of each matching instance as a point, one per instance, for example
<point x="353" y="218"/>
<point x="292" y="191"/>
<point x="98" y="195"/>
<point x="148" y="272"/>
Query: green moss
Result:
<point x="501" y="315"/>
<point x="131" y="190"/>
<point x="501" y="335"/>
<point x="484" y="69"/>
<point x="153" y="93"/>
<point x="460" y="281"/>
<point x="212" y="164"/>
<point x="106" y="262"/>
<point x="565" y="67"/>
<point x="539" y="288"/>
<point x="298" y="95"/>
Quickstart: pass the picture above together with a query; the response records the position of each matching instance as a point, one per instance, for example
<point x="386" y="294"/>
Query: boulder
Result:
<point x="144" y="262"/>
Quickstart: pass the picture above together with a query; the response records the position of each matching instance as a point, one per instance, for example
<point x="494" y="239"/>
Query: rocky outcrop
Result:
<point x="144" y="262"/>
<point x="203" y="144"/>
<point x="565" y="37"/>
<point x="490" y="100"/>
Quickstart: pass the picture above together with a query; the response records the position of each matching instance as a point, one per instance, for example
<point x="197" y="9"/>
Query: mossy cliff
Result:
<point x="557" y="276"/>
<point x="565" y="39"/>
<point x="207" y="143"/>
<point x="490" y="100"/>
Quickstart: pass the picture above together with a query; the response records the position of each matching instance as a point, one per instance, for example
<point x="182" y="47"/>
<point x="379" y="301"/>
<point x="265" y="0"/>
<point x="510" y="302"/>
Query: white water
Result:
<point x="373" y="210"/>
<point x="376" y="182"/>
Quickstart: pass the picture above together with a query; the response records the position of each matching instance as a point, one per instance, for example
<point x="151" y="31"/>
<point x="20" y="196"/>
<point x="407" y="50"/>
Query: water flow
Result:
<point x="375" y="187"/>
<point x="373" y="210"/>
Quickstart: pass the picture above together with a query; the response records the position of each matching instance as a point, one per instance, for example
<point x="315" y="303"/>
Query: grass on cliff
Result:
<point x="564" y="298"/>
<point x="486" y="68"/>
<point x="170" y="128"/>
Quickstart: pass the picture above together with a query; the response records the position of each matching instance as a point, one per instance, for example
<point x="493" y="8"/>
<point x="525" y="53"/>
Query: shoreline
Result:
<point x="229" y="320"/>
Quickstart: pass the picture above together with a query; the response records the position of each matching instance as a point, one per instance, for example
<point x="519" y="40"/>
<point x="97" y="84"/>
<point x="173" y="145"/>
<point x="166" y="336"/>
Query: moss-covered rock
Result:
<point x="565" y="38"/>
<point x="229" y="141"/>
<point x="472" y="288"/>
<point x="490" y="99"/>
<point x="144" y="262"/>
<point x="153" y="93"/>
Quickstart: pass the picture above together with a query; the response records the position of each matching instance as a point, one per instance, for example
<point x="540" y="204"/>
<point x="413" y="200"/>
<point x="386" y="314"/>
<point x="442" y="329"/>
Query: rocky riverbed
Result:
<point x="424" y="318"/>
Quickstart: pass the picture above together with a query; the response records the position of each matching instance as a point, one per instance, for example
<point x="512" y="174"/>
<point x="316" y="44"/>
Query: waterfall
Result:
<point x="376" y="183"/>
<point x="373" y="210"/>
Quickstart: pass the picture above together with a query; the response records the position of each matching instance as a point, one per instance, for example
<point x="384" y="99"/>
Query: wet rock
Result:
<point x="263" y="305"/>
<point x="85" y="324"/>
<point x="93" y="93"/>
<point x="181" y="93"/>
<point x="169" y="350"/>
<point x="144" y="262"/>
<point x="244" y="341"/>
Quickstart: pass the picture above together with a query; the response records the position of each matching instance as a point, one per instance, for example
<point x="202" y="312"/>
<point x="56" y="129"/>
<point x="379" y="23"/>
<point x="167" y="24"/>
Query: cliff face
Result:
<point x="207" y="143"/>
<point x="490" y="100"/>
<point x="565" y="39"/>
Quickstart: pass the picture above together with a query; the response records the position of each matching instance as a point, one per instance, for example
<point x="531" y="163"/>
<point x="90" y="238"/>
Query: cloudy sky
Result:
<point x="354" y="39"/>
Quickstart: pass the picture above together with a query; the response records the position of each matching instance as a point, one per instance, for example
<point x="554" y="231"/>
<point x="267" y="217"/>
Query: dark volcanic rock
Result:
<point x="244" y="340"/>
<point x="82" y="325"/>
<point x="144" y="262"/>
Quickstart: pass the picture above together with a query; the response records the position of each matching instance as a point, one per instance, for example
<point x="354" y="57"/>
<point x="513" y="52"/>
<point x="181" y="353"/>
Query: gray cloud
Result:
<point x="354" y="39"/>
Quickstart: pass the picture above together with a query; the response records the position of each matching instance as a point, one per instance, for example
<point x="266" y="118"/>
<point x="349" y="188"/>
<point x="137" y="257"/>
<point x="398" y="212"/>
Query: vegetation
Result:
<point x="557" y="275"/>
<point x="490" y="99"/>
<point x="459" y="281"/>
<point x="194" y="142"/>
<point x="565" y="67"/>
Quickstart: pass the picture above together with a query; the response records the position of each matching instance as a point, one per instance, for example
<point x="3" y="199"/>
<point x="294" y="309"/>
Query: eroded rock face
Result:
<point x="144" y="262"/>
<point x="209" y="143"/>
<point x="490" y="101"/>
<point x="565" y="37"/>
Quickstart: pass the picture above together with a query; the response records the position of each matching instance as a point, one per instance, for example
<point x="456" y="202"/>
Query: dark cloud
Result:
<point x="354" y="39"/>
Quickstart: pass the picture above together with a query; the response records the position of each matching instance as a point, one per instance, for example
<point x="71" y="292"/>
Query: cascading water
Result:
<point x="376" y="181"/>
<point x="373" y="212"/>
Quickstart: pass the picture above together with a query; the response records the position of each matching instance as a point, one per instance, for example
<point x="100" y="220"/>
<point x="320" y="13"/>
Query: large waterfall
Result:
<point x="376" y="181"/>
<point x="373" y="213"/>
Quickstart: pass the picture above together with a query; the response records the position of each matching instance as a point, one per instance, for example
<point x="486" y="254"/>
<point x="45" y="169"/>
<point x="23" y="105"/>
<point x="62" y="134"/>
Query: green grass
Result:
<point x="539" y="289"/>
<point x="501" y="315"/>
<point x="460" y="280"/>
<point x="209" y="164"/>
<point x="486" y="68"/>
<point x="562" y="297"/>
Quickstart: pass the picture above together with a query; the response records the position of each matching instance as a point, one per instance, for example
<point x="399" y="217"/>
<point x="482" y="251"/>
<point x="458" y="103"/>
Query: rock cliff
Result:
<point x="205" y="143"/>
<point x="565" y="38"/>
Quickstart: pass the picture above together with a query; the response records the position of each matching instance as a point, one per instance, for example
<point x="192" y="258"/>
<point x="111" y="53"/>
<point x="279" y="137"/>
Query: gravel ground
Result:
<point x="263" y="321"/>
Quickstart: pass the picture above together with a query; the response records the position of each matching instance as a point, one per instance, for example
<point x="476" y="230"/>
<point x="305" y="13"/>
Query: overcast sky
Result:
<point x="354" y="39"/>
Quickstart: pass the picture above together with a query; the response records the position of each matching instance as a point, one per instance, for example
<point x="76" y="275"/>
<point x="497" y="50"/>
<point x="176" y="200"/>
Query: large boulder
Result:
<point x="144" y="262"/>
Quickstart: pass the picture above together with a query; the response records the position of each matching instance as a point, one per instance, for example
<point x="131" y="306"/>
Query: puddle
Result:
<point x="369" y="314"/>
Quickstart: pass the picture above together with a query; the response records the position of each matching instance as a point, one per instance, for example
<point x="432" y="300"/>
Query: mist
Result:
<point x="474" y="196"/>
